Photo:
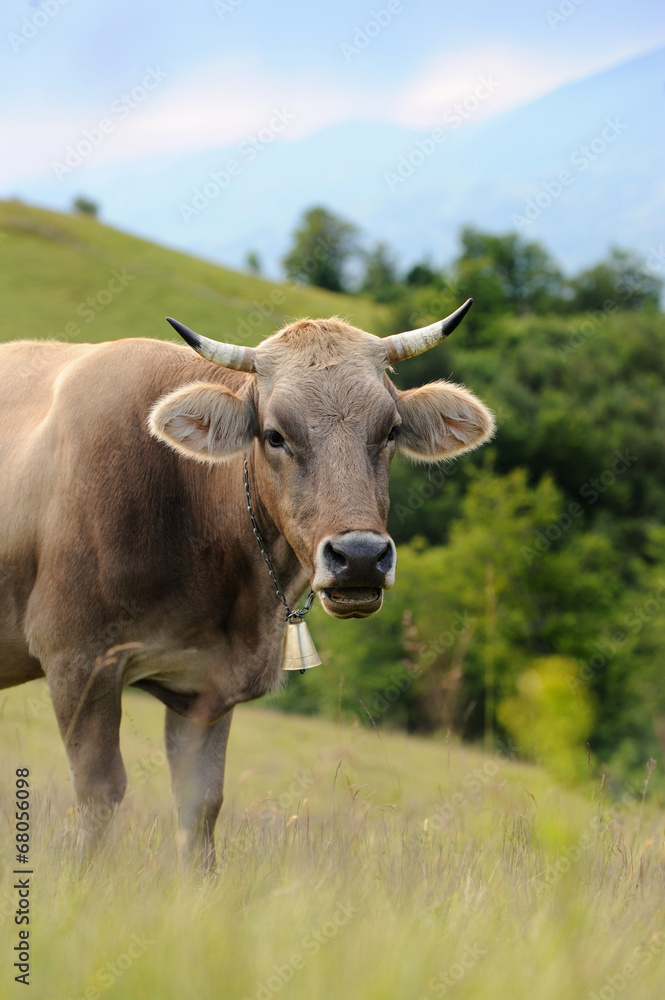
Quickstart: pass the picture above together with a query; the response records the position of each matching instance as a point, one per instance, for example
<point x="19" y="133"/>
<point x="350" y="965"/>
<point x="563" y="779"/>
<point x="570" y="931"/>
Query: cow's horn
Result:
<point x="226" y="355"/>
<point x="407" y="345"/>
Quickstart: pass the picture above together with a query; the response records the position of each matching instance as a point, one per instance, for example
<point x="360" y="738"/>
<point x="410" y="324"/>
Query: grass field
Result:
<point x="73" y="278"/>
<point x="351" y="866"/>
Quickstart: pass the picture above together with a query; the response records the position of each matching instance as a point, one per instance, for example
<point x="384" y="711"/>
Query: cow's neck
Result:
<point x="291" y="576"/>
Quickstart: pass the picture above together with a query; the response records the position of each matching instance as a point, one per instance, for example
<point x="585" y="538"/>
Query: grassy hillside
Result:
<point x="73" y="278"/>
<point x="351" y="867"/>
<point x="353" y="864"/>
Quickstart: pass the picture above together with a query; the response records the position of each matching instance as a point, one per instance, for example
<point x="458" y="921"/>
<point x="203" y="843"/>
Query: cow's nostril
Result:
<point x="336" y="560"/>
<point x="385" y="560"/>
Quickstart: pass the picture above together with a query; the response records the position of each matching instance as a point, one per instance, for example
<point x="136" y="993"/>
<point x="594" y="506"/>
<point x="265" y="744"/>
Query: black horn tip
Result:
<point x="187" y="335"/>
<point x="456" y="318"/>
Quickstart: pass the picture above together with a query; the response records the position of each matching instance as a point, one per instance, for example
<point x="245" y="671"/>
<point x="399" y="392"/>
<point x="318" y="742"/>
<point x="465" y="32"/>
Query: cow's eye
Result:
<point x="274" y="439"/>
<point x="393" y="434"/>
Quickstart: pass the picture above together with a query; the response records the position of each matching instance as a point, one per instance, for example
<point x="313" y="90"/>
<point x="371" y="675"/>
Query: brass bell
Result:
<point x="299" y="650"/>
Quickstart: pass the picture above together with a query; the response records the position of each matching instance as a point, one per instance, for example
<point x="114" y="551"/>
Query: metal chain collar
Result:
<point x="291" y="616"/>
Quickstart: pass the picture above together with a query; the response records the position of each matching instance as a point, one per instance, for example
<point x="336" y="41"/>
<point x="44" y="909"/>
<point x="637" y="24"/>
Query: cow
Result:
<point x="128" y="556"/>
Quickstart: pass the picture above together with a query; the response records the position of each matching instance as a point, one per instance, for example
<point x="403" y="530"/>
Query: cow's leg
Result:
<point x="88" y="708"/>
<point x="197" y="754"/>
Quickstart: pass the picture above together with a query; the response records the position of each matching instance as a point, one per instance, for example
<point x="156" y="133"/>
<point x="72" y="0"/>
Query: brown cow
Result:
<point x="122" y="562"/>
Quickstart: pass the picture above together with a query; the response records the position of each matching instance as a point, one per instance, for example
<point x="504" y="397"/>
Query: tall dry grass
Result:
<point x="350" y="866"/>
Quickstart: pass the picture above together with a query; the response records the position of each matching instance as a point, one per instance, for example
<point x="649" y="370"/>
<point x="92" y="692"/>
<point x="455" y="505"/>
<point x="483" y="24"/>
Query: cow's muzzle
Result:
<point x="352" y="571"/>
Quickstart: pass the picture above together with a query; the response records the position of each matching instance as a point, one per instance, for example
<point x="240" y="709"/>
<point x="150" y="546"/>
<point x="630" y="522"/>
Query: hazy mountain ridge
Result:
<point x="603" y="133"/>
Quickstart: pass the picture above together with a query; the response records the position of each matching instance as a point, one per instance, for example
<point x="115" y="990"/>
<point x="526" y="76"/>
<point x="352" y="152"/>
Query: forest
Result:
<point x="530" y="597"/>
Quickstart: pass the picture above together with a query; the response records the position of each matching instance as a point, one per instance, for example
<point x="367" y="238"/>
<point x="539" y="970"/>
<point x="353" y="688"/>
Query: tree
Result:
<point x="512" y="274"/>
<point x="253" y="262"/>
<point x="380" y="277"/>
<point x="323" y="244"/>
<point x="520" y="581"/>
<point x="621" y="280"/>
<point x="85" y="206"/>
<point x="421" y="275"/>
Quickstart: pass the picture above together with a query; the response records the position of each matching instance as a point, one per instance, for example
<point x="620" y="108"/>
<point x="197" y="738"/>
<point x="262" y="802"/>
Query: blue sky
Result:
<point x="225" y="66"/>
<point x="156" y="95"/>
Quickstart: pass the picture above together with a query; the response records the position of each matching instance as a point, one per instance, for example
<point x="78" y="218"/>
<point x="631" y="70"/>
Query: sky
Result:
<point x="125" y="81"/>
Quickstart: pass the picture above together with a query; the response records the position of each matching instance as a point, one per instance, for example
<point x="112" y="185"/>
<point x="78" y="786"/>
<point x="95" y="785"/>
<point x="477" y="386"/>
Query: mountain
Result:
<point x="584" y="163"/>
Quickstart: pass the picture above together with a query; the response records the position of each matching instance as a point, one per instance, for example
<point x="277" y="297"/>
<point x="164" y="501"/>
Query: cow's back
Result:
<point x="52" y="409"/>
<point x="92" y="509"/>
<point x="28" y="375"/>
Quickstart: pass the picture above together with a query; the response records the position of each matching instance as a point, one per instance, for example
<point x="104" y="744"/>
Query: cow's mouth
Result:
<point x="351" y="602"/>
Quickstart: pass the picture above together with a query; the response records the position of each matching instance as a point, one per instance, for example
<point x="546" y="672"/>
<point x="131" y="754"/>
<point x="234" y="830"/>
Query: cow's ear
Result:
<point x="204" y="421"/>
<point x="440" y="420"/>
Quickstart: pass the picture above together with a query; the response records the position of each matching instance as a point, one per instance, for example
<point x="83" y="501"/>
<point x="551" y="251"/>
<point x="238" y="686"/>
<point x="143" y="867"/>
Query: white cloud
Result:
<point x="222" y="106"/>
<point x="213" y="109"/>
<point x="519" y="77"/>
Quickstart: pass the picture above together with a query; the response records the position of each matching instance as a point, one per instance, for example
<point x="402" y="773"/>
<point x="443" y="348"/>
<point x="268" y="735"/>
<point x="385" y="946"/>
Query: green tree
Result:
<point x="621" y="280"/>
<point x="508" y="273"/>
<point x="253" y="262"/>
<point x="571" y="396"/>
<point x="466" y="620"/>
<point x="85" y="206"/>
<point x="421" y="275"/>
<point x="380" y="274"/>
<point x="323" y="244"/>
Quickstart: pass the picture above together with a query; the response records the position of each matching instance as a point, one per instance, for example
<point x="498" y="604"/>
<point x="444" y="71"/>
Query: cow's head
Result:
<point x="320" y="420"/>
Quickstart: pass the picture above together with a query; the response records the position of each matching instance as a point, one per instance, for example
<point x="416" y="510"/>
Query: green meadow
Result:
<point x="356" y="860"/>
<point x="352" y="863"/>
<point x="72" y="278"/>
